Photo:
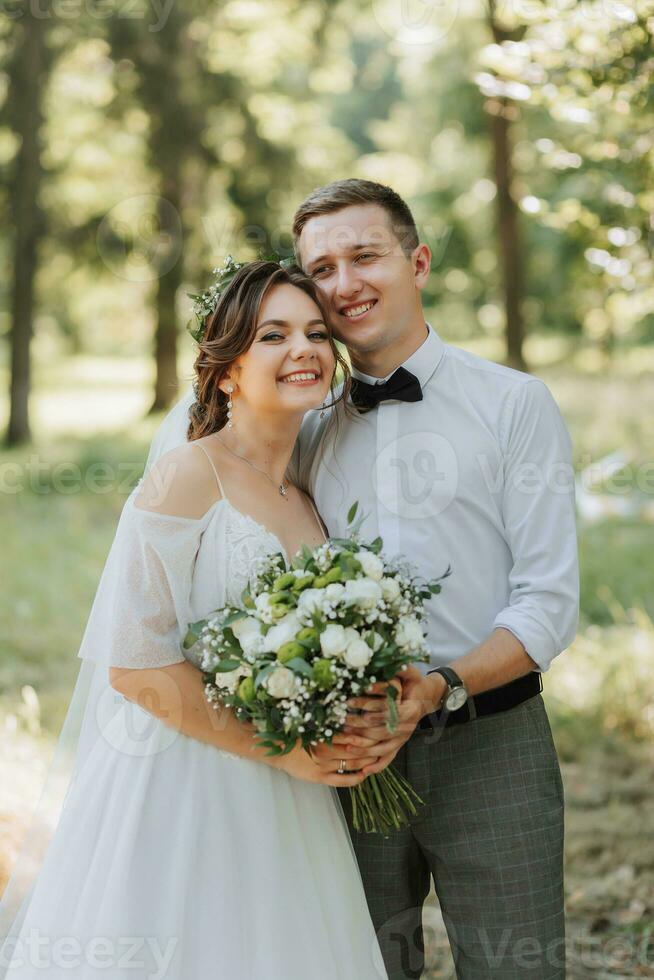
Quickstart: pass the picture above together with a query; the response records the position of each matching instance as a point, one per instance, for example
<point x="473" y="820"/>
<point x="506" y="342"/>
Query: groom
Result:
<point x="460" y="462"/>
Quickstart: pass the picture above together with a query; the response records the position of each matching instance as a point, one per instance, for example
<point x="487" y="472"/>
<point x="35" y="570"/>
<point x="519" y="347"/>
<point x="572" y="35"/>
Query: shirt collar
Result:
<point x="422" y="363"/>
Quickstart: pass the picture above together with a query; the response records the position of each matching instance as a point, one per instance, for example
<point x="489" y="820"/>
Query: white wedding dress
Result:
<point x="172" y="859"/>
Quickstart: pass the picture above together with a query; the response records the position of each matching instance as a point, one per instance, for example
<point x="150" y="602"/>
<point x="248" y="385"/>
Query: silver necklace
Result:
<point x="282" y="487"/>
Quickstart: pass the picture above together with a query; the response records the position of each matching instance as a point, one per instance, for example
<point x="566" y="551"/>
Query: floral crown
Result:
<point x="205" y="303"/>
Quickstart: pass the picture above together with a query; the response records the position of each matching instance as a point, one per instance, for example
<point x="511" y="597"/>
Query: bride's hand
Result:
<point x="300" y="765"/>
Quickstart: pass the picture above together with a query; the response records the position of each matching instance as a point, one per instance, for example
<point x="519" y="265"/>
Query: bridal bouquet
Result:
<point x="309" y="637"/>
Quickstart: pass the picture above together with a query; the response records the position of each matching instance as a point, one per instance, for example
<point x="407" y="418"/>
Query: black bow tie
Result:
<point x="402" y="386"/>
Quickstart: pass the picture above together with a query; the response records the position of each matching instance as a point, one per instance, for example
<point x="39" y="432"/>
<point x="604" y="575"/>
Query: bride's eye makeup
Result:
<point x="319" y="334"/>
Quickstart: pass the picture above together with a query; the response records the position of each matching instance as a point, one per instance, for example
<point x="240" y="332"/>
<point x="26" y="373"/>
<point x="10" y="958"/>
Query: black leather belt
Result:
<point x="488" y="702"/>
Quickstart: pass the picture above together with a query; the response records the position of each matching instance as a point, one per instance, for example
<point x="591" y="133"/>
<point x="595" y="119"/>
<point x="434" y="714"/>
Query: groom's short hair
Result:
<point x="345" y="193"/>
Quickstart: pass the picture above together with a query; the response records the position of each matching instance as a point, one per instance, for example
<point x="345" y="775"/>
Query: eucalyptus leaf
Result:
<point x="225" y="665"/>
<point x="352" y="511"/>
<point x="263" y="674"/>
<point x="299" y="666"/>
<point x="234" y="617"/>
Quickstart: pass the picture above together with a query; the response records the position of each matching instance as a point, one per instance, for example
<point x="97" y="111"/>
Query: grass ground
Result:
<point x="57" y="530"/>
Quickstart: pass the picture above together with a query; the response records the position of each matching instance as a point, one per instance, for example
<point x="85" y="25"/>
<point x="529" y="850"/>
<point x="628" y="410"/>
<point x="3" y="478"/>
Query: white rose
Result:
<point x="363" y="593"/>
<point x="409" y="632"/>
<point x="262" y="605"/>
<point x="372" y="566"/>
<point x="333" y="640"/>
<point x="309" y="602"/>
<point x="351" y="635"/>
<point x="247" y="626"/>
<point x="390" y="589"/>
<point x="281" y="683"/>
<point x="282" y="632"/>
<point x="335" y="592"/>
<point x="253" y="644"/>
<point x="357" y="654"/>
<point x="230" y="679"/>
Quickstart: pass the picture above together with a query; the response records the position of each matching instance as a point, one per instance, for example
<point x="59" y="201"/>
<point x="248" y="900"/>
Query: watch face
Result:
<point x="456" y="698"/>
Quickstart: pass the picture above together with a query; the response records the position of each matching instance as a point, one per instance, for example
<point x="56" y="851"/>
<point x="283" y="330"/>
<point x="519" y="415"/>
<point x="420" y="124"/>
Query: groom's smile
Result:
<point x="358" y="311"/>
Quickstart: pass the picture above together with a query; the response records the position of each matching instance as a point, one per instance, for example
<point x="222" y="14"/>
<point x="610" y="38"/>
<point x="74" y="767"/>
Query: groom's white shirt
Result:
<point x="476" y="476"/>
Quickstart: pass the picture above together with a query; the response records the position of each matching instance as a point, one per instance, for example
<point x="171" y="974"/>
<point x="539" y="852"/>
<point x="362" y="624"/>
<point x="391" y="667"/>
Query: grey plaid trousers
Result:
<point x="491" y="837"/>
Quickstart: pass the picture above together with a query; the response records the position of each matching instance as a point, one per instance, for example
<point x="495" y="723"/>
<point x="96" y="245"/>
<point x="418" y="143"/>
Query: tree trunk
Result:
<point x="27" y="72"/>
<point x="509" y="239"/>
<point x="508" y="217"/>
<point x="168" y="284"/>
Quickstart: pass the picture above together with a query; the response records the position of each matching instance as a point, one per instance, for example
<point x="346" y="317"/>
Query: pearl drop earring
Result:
<point x="230" y="408"/>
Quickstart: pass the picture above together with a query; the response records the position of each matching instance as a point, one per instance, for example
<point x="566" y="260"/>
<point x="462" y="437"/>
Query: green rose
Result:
<point x="283" y="582"/>
<point x="246" y="690"/>
<point x="278" y="597"/>
<point x="290" y="650"/>
<point x="323" y="674"/>
<point x="311" y="635"/>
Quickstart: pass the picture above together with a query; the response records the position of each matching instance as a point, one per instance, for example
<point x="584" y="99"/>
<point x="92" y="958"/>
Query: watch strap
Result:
<point x="450" y="676"/>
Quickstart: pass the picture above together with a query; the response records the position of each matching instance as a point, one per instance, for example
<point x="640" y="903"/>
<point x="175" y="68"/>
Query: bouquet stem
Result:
<point x="384" y="801"/>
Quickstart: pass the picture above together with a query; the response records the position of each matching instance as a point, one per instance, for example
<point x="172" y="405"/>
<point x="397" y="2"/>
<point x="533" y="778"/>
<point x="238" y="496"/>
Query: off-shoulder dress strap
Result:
<point x="213" y="467"/>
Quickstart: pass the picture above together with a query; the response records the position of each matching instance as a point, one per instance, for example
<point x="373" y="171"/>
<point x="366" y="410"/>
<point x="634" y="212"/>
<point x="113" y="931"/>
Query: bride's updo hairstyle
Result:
<point x="230" y="331"/>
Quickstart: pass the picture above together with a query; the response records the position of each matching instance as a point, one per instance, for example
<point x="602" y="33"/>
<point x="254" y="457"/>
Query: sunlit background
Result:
<point x="141" y="143"/>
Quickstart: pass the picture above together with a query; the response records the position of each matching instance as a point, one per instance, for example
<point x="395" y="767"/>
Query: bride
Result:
<point x="182" y="851"/>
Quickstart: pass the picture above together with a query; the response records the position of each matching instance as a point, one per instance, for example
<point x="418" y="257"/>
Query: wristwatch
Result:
<point x="456" y="693"/>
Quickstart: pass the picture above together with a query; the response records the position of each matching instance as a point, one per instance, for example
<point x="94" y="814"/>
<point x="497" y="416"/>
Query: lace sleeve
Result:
<point x="141" y="609"/>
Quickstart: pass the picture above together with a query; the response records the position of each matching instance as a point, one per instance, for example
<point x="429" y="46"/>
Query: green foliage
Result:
<point x="617" y="560"/>
<point x="584" y="74"/>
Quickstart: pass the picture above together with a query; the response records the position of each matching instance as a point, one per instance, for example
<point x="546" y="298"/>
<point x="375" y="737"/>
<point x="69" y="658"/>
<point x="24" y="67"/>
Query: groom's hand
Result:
<point x="421" y="695"/>
<point x="356" y="748"/>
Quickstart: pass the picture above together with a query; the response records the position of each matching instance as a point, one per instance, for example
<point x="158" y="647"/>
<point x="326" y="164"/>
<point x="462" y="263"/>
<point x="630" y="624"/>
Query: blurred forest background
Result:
<point x="141" y="142"/>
